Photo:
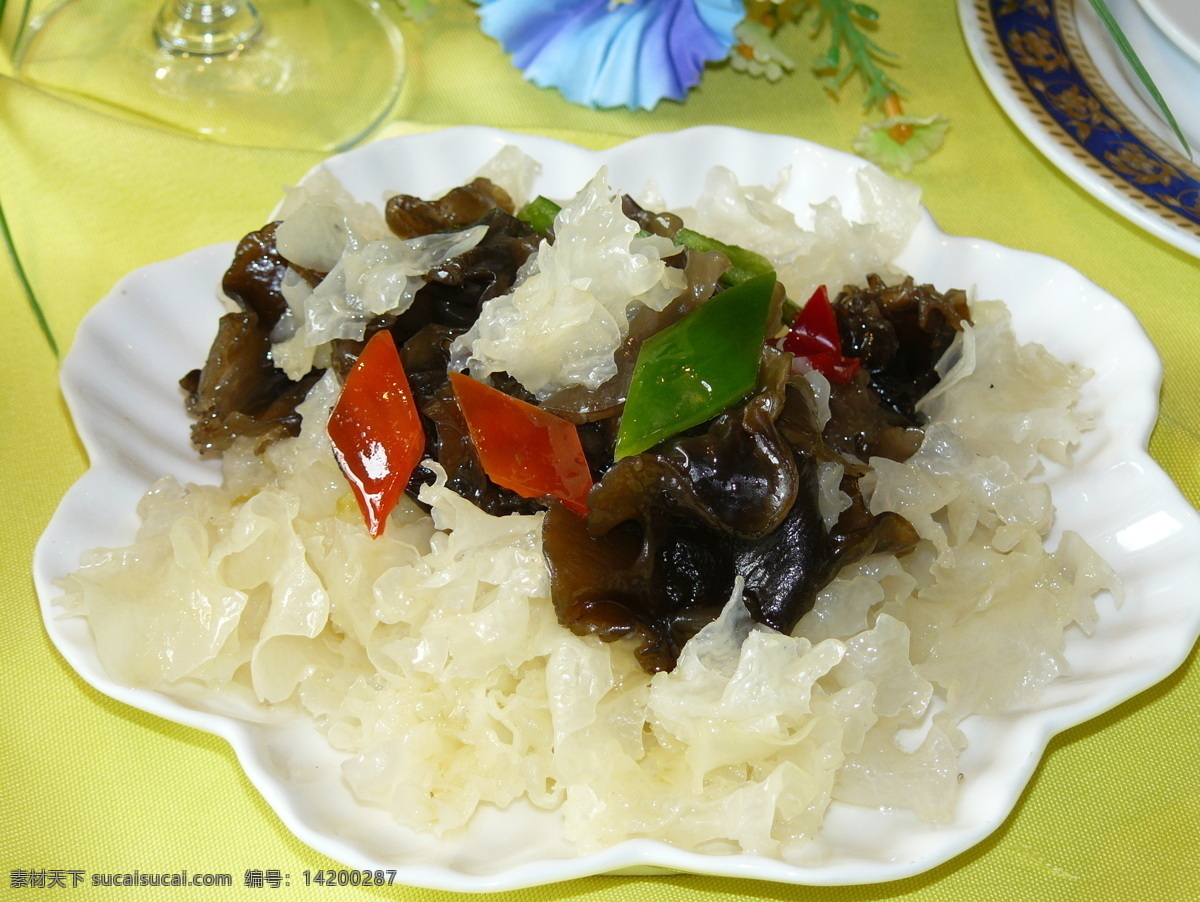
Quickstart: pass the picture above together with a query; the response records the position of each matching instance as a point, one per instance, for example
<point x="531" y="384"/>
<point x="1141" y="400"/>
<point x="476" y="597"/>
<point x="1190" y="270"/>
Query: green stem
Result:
<point x="6" y="235"/>
<point x="20" y="25"/>
<point x="844" y="31"/>
<point x="1131" y="57"/>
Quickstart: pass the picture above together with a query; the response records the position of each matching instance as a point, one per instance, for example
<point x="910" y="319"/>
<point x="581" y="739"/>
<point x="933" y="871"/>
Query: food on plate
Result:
<point x="685" y="524"/>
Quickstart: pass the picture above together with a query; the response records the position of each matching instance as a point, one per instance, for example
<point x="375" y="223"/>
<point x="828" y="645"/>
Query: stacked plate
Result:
<point x="1058" y="74"/>
<point x="1179" y="22"/>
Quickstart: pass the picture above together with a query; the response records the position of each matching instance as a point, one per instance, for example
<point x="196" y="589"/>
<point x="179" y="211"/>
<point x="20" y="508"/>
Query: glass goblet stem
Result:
<point x="206" y="29"/>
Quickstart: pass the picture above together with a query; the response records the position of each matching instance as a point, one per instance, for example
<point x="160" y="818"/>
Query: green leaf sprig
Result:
<point x="1131" y="57"/>
<point x="863" y="55"/>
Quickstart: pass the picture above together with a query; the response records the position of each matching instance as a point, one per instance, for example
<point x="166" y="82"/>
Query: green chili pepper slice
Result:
<point x="539" y="213"/>
<point x="692" y="370"/>
<point x="743" y="264"/>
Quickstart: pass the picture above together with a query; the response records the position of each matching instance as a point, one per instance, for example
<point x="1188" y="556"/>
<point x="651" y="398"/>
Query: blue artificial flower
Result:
<point x="609" y="53"/>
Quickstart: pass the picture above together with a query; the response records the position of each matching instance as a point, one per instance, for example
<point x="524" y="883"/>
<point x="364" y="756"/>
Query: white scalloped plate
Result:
<point x="120" y="384"/>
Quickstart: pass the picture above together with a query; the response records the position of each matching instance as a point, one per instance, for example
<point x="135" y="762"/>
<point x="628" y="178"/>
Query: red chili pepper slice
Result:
<point x="522" y="447"/>
<point x="376" y="431"/>
<point x="814" y="336"/>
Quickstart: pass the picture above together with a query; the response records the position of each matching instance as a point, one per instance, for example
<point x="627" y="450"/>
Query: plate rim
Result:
<point x="1179" y="36"/>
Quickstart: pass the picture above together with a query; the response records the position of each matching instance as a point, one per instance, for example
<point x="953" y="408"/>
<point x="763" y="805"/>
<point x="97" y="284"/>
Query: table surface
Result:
<point x="1112" y="813"/>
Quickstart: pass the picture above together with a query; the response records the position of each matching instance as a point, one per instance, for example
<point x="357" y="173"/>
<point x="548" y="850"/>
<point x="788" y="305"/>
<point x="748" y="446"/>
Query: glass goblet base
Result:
<point x="316" y="76"/>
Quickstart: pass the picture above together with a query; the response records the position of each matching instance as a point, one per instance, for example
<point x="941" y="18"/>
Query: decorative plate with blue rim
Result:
<point x="1051" y="67"/>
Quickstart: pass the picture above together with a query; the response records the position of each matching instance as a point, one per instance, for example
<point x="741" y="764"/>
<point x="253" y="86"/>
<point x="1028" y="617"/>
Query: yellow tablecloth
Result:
<point x="88" y="784"/>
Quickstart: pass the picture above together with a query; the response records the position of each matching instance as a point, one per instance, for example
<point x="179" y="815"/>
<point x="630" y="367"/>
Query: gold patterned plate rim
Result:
<point x="1034" y="60"/>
